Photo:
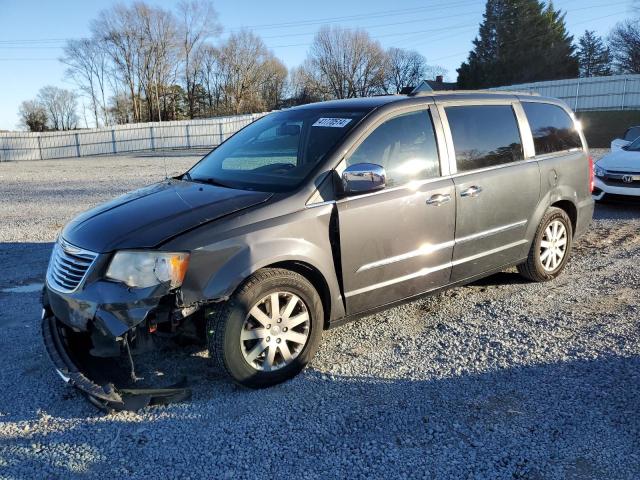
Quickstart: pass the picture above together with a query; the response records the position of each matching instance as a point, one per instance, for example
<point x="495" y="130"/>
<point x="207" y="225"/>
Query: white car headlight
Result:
<point x="141" y="269"/>
<point x="599" y="172"/>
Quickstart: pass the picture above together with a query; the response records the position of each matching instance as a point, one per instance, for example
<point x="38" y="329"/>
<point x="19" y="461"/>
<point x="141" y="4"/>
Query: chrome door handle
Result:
<point x="438" y="199"/>
<point x="472" y="191"/>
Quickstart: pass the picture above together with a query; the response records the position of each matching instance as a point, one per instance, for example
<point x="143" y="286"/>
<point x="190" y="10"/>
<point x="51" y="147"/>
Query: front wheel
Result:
<point x="268" y="331"/>
<point x="551" y="247"/>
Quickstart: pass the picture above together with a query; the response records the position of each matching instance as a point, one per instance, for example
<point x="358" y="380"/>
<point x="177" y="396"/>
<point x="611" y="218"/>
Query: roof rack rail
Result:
<point x="426" y="93"/>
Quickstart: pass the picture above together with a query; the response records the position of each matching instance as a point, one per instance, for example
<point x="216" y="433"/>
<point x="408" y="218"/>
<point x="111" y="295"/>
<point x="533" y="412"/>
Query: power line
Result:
<point x="537" y="36"/>
<point x="378" y="14"/>
<point x="306" y="44"/>
<point x="383" y="13"/>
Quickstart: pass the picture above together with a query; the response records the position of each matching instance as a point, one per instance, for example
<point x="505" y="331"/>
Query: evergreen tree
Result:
<point x="593" y="56"/>
<point x="519" y="41"/>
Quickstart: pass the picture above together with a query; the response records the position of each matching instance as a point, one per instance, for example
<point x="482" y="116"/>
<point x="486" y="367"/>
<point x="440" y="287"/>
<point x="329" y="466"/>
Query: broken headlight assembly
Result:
<point x="142" y="269"/>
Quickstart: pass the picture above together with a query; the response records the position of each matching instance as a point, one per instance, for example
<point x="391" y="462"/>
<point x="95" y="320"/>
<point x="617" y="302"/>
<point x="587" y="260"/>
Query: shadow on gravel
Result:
<point x="501" y="278"/>
<point x="21" y="263"/>
<point x="575" y="419"/>
<point x="617" y="210"/>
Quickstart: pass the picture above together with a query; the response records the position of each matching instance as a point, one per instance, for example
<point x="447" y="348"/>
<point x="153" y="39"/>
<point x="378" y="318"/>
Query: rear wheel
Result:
<point x="551" y="247"/>
<point x="268" y="331"/>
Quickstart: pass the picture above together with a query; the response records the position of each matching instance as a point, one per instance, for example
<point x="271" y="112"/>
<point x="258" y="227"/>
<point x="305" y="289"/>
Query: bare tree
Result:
<point x="435" y="71"/>
<point x="242" y="61"/>
<point x="87" y="66"/>
<point x="307" y="84"/>
<point x="198" y="22"/>
<point x="274" y="82"/>
<point x="61" y="106"/>
<point x="405" y="68"/>
<point x="116" y="30"/>
<point x="349" y="62"/>
<point x="33" y="116"/>
<point x="624" y="43"/>
<point x="158" y="57"/>
<point x="211" y="77"/>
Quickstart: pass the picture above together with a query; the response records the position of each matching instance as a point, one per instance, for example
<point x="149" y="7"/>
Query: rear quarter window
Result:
<point x="552" y="128"/>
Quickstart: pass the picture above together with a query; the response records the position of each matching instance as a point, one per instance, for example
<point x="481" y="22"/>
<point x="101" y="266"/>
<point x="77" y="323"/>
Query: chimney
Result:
<point x="439" y="79"/>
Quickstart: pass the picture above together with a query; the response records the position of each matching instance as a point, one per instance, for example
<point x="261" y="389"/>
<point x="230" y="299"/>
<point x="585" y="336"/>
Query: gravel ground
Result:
<point x="498" y="379"/>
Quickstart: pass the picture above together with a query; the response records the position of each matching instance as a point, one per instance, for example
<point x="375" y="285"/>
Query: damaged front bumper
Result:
<point x="106" y="397"/>
<point x="102" y="328"/>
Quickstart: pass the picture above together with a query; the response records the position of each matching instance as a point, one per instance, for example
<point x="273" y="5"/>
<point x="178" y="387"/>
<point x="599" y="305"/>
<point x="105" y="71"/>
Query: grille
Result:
<point x="618" y="182"/>
<point x="68" y="266"/>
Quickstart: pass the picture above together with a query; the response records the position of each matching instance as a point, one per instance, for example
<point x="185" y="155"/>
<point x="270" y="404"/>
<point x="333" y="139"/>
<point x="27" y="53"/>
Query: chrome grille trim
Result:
<point x="68" y="266"/>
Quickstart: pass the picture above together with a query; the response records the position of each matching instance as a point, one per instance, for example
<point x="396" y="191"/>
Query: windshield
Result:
<point x="634" y="146"/>
<point x="277" y="152"/>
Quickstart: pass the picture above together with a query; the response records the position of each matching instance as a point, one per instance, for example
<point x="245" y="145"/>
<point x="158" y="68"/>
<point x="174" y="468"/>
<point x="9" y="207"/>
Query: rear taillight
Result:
<point x="591" y="182"/>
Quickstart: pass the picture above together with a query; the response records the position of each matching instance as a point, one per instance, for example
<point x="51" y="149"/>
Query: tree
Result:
<point x="33" y="116"/>
<point x="624" y="44"/>
<point x="346" y="63"/>
<point x="519" y="41"/>
<point x="306" y="85"/>
<point x="246" y="65"/>
<point x="274" y="83"/>
<point x="61" y="106"/>
<point x="593" y="56"/>
<point x="404" y="68"/>
<point x="198" y="23"/>
<point x="211" y="77"/>
<point x="87" y="66"/>
<point x="117" y="31"/>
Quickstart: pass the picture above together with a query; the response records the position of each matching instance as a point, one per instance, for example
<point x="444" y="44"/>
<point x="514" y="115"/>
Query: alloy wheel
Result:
<point x="275" y="331"/>
<point x="553" y="246"/>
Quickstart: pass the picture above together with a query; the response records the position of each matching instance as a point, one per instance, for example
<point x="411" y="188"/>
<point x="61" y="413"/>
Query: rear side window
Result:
<point x="405" y="146"/>
<point x="552" y="128"/>
<point x="484" y="136"/>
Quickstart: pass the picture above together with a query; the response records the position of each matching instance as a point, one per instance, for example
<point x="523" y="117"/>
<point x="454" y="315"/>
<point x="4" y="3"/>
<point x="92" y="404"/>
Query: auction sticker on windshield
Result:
<point x="332" y="122"/>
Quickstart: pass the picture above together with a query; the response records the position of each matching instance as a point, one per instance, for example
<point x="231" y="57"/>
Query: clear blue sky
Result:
<point x="32" y="32"/>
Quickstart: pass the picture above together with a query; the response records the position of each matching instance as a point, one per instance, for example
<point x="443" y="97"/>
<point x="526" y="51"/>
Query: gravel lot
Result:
<point x="499" y="379"/>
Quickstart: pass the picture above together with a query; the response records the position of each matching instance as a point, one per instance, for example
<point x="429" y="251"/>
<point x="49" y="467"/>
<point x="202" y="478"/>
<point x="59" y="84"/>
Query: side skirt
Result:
<point x="350" y="318"/>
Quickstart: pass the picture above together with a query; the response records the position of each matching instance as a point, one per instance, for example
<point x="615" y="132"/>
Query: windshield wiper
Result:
<point x="209" y="181"/>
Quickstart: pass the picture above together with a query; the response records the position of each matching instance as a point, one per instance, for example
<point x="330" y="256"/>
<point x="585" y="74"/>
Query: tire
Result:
<point x="227" y="323"/>
<point x="534" y="269"/>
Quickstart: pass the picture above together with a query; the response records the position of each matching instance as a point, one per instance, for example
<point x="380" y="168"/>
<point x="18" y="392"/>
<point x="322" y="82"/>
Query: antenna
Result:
<point x="164" y="160"/>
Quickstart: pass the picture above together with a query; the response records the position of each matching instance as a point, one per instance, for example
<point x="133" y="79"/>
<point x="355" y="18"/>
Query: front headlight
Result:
<point x="141" y="269"/>
<point x="599" y="172"/>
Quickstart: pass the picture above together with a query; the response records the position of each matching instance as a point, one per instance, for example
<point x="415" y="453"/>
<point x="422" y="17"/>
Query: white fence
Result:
<point x="121" y="138"/>
<point x="616" y="92"/>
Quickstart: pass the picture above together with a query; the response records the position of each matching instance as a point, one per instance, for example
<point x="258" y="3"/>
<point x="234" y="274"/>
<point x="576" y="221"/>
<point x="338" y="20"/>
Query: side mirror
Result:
<point x="363" y="178"/>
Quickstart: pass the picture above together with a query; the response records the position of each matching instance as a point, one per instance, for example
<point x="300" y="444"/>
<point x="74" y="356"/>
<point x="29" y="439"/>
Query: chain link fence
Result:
<point x="122" y="138"/>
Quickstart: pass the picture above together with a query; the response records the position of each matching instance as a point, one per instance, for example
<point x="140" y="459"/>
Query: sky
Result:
<point x="32" y="33"/>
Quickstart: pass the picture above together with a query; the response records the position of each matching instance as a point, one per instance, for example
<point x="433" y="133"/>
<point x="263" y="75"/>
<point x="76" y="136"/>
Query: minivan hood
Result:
<point x="152" y="215"/>
<point x="621" y="161"/>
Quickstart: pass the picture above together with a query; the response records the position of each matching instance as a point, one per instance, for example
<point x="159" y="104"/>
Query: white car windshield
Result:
<point x="633" y="146"/>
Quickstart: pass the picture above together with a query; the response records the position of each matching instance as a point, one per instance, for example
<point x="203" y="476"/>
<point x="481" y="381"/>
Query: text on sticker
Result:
<point x="331" y="122"/>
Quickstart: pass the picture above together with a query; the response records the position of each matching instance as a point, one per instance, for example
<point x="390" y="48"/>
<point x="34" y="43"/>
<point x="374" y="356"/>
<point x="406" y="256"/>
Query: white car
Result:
<point x="629" y="136"/>
<point x="618" y="173"/>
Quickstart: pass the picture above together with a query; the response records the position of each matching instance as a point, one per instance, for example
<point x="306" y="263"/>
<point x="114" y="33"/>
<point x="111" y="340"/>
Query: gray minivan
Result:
<point x="310" y="217"/>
